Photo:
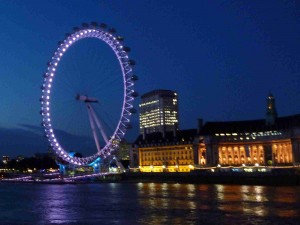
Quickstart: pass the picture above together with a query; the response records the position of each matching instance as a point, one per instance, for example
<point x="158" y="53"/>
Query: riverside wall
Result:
<point x="278" y="178"/>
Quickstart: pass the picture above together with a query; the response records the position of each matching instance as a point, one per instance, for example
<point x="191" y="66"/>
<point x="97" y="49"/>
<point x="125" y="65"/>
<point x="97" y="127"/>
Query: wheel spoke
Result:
<point x="90" y="112"/>
<point x="99" y="125"/>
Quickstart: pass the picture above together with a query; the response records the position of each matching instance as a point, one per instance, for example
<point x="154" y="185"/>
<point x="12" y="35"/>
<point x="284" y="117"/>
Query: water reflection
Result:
<point x="172" y="203"/>
<point x="55" y="199"/>
<point x="84" y="204"/>
<point x="242" y="199"/>
<point x="149" y="203"/>
<point x="249" y="204"/>
<point x="288" y="198"/>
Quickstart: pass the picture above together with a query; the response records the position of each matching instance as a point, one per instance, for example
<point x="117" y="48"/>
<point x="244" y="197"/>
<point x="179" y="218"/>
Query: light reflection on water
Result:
<point x="148" y="203"/>
<point x="57" y="208"/>
<point x="242" y="199"/>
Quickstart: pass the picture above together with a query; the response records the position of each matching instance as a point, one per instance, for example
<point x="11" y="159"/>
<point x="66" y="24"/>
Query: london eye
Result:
<point x="104" y="141"/>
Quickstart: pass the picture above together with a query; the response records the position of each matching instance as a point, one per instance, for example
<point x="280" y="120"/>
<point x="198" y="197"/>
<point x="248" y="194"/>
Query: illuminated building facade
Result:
<point x="158" y="111"/>
<point x="175" y="151"/>
<point x="270" y="141"/>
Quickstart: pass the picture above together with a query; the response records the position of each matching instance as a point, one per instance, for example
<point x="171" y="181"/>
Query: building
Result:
<point x="123" y="153"/>
<point x="19" y="158"/>
<point x="270" y="141"/>
<point x="174" y="151"/>
<point x="5" y="159"/>
<point x="158" y="111"/>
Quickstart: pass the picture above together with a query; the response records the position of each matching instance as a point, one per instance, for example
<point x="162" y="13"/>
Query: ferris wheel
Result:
<point x="111" y="141"/>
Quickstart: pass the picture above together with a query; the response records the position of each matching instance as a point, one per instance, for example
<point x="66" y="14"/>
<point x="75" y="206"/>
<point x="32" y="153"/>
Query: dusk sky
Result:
<point x="222" y="57"/>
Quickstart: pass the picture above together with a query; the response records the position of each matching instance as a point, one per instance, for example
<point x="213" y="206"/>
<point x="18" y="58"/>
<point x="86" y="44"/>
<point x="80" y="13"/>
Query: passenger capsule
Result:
<point x="94" y="24"/>
<point x="134" y="94"/>
<point x="126" y="49"/>
<point x="132" y="110"/>
<point x="131" y="62"/>
<point x="85" y="25"/>
<point x="112" y="30"/>
<point x="103" y="25"/>
<point x="134" y="77"/>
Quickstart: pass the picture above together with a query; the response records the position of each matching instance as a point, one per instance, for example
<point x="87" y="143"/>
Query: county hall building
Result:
<point x="270" y="141"/>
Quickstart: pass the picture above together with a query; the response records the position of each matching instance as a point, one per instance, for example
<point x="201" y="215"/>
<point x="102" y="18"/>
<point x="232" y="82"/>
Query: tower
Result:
<point x="271" y="114"/>
<point x="158" y="111"/>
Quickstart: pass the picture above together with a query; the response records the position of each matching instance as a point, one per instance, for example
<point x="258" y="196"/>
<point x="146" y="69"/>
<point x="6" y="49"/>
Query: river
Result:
<point x="148" y="203"/>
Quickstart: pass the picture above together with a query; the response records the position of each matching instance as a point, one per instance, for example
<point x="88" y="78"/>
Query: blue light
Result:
<point x="95" y="163"/>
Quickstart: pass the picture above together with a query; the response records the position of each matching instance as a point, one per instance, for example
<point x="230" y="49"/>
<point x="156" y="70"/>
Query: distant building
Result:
<point x="123" y="152"/>
<point x="158" y="111"/>
<point x="19" y="158"/>
<point x="5" y="159"/>
<point x="176" y="151"/>
<point x="270" y="141"/>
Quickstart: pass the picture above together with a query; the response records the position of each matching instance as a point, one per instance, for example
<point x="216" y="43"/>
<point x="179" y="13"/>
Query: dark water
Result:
<point x="152" y="203"/>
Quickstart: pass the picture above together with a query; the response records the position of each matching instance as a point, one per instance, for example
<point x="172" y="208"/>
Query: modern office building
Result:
<point x="158" y="111"/>
<point x="270" y="141"/>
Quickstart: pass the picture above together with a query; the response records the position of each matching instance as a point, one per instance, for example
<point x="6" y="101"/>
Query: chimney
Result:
<point x="200" y="125"/>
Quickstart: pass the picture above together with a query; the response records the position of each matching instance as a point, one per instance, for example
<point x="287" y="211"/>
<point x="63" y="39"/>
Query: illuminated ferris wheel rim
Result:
<point x="99" y="32"/>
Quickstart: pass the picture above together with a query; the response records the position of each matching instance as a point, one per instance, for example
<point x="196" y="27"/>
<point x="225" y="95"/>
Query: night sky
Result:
<point x="222" y="57"/>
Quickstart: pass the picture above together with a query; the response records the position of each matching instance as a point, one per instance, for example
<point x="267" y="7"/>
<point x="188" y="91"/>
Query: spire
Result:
<point x="271" y="114"/>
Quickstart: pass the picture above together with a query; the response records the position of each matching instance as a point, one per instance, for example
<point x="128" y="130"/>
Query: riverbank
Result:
<point x="270" y="177"/>
<point x="281" y="177"/>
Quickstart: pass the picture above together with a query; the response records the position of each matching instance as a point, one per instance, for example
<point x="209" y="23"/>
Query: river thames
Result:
<point x="148" y="203"/>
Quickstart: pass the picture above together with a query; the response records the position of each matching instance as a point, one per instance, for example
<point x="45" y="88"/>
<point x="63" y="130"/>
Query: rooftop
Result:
<point x="281" y="123"/>
<point x="159" y="92"/>
<point x="182" y="136"/>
